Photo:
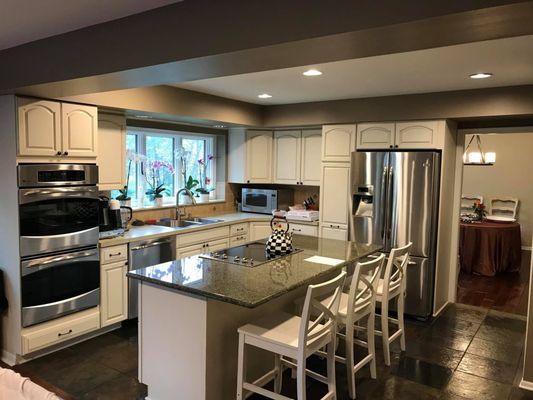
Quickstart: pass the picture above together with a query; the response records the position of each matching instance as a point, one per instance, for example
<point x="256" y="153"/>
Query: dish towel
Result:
<point x="13" y="386"/>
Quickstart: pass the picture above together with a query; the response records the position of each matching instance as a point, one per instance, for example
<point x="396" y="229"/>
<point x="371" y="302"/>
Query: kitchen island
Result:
<point x="190" y="309"/>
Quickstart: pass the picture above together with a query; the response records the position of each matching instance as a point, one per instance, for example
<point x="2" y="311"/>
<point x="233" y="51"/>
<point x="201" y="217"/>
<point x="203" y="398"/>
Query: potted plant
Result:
<point x="190" y="184"/>
<point x="204" y="180"/>
<point x="123" y="197"/>
<point x="156" y="174"/>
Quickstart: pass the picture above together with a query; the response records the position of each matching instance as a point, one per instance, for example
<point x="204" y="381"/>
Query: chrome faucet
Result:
<point x="180" y="211"/>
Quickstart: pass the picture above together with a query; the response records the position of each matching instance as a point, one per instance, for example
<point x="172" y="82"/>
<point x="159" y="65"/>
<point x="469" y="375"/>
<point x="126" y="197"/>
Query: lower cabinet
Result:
<point x="330" y="231"/>
<point x="59" y="330"/>
<point x="260" y="230"/>
<point x="200" y="248"/>
<point x="113" y="292"/>
<point x="238" y="240"/>
<point x="303" y="229"/>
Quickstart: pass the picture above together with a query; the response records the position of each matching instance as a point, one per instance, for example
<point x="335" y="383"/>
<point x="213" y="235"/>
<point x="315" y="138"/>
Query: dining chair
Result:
<point x="293" y="339"/>
<point x="467" y="201"/>
<point x="503" y="206"/>
<point x="391" y="287"/>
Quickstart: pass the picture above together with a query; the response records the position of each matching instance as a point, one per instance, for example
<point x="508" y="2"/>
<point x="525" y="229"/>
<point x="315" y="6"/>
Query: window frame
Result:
<point x="210" y="146"/>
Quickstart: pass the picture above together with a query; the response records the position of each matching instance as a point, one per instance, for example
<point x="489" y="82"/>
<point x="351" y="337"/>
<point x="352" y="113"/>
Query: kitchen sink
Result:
<point x="174" y="223"/>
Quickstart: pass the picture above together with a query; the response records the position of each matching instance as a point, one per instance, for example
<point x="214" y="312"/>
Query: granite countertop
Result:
<point x="148" y="232"/>
<point x="251" y="287"/>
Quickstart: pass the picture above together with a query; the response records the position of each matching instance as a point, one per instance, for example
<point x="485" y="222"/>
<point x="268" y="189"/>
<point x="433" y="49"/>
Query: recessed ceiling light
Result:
<point x="312" y="72"/>
<point x="264" y="96"/>
<point x="481" y="75"/>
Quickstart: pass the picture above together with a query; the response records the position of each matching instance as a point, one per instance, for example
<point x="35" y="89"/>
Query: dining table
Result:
<point x="489" y="248"/>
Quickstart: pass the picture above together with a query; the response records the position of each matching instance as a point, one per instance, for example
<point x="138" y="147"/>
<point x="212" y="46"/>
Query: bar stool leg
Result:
<point x="240" y="367"/>
<point x="401" y="307"/>
<point x="350" y="361"/>
<point x="370" y="339"/>
<point x="332" y="386"/>
<point x="300" y="378"/>
<point x="278" y="380"/>
<point x="385" y="331"/>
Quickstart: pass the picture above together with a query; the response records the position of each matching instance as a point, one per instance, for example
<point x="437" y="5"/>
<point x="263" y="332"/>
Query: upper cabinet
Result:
<point x="39" y="128"/>
<point x="258" y="156"/>
<point x="54" y="129"/>
<point x="419" y="135"/>
<point x="297" y="157"/>
<point x="80" y="130"/>
<point x="111" y="157"/>
<point x="375" y="136"/>
<point x="338" y="142"/>
<point x="401" y="135"/>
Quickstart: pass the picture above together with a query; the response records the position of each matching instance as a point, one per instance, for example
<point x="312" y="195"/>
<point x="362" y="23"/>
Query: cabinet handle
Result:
<point x="396" y="145"/>
<point x="247" y="181"/>
<point x="115" y="254"/>
<point x="65" y="153"/>
<point x="63" y="334"/>
<point x="58" y="153"/>
<point x="390" y="146"/>
<point x="296" y="230"/>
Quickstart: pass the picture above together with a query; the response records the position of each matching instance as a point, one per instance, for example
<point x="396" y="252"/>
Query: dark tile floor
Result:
<point x="506" y="292"/>
<point x="467" y="353"/>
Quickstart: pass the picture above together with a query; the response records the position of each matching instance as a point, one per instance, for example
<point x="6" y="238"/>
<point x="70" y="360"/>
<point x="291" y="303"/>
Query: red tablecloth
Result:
<point x="488" y="248"/>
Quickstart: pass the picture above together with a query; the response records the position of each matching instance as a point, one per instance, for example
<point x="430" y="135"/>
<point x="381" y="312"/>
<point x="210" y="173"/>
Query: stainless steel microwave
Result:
<point x="264" y="201"/>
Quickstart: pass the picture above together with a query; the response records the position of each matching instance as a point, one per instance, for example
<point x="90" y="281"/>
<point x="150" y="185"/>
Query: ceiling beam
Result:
<point x="204" y="39"/>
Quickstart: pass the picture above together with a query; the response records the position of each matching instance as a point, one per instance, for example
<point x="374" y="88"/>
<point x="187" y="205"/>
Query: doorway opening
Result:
<point x="495" y="229"/>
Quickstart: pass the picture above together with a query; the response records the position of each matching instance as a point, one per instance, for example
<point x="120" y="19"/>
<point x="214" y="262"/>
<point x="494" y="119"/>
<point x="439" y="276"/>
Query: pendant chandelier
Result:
<point x="478" y="157"/>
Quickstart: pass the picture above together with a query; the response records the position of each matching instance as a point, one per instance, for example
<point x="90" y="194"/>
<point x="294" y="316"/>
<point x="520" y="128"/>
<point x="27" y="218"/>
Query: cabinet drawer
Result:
<point x="238" y="229"/>
<point x="302" y="229"/>
<point x="238" y="240"/>
<point x="113" y="254"/>
<point x="46" y="334"/>
<point x="203" y="236"/>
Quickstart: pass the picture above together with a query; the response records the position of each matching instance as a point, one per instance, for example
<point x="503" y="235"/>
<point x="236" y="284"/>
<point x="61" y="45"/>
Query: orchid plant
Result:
<point x="155" y="173"/>
<point x="133" y="158"/>
<point x="203" y="179"/>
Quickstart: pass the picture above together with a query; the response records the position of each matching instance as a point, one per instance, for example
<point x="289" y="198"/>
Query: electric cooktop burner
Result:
<point x="248" y="255"/>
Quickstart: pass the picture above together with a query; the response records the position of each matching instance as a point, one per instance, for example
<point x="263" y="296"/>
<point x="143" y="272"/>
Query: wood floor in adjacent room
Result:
<point x="506" y="292"/>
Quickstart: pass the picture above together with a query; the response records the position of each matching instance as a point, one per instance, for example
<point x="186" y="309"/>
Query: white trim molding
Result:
<point x="529" y="248"/>
<point x="526" y="385"/>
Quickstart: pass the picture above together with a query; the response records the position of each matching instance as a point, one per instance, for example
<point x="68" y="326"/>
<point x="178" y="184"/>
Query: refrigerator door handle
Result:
<point x="390" y="210"/>
<point x="383" y="204"/>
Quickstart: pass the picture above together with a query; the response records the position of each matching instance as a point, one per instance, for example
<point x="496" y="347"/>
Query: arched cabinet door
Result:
<point x="39" y="127"/>
<point x="338" y="142"/>
<point x="80" y="130"/>
<point x="259" y="156"/>
<point x="419" y="135"/>
<point x="375" y="136"/>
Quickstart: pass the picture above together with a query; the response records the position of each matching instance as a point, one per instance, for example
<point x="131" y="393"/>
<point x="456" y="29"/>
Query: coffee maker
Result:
<point x="113" y="216"/>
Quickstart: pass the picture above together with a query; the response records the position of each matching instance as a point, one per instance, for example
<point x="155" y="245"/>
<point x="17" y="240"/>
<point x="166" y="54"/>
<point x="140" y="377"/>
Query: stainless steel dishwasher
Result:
<point x="144" y="254"/>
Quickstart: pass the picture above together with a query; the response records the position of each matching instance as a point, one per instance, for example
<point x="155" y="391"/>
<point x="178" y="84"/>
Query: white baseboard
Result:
<point x="526" y="385"/>
<point x="8" y="358"/>
<point x="529" y="248"/>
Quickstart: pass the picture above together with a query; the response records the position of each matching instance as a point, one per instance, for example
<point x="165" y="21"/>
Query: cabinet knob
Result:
<point x="65" y="153"/>
<point x="390" y="146"/>
<point x="58" y="153"/>
<point x="396" y="146"/>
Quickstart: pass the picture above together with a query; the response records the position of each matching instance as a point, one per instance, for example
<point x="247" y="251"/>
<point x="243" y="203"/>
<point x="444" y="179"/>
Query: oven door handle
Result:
<point x="32" y="266"/>
<point x="35" y="195"/>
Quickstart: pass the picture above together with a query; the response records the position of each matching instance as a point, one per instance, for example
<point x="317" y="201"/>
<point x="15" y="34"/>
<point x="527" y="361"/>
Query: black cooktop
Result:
<point x="247" y="255"/>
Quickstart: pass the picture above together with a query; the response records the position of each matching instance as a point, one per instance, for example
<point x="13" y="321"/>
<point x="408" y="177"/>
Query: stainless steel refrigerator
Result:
<point x="395" y="201"/>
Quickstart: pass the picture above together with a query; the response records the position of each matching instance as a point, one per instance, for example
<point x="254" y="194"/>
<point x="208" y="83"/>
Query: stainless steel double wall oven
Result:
<point x="59" y="219"/>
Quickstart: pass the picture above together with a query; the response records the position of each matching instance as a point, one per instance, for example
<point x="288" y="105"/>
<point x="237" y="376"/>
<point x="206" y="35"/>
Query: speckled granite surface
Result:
<point x="250" y="287"/>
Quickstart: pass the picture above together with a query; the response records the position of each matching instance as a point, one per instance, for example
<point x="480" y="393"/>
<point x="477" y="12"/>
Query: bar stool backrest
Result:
<point x="395" y="270"/>
<point x="364" y="285"/>
<point x="323" y="324"/>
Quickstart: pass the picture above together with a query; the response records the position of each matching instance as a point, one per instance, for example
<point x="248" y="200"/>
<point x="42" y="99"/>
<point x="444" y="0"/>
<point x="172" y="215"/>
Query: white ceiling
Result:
<point x="423" y="71"/>
<point x="23" y="21"/>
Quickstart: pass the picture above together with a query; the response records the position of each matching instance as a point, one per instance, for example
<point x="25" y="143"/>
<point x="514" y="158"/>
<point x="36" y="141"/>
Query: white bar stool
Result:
<point x="355" y="306"/>
<point x="390" y="287"/>
<point x="297" y="338"/>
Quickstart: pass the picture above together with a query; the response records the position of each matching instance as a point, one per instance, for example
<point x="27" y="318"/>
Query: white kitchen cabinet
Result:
<point x="334" y="194"/>
<point x="259" y="230"/>
<point x="190" y="251"/>
<point x="331" y="231"/>
<point x="39" y="127"/>
<point x="79" y="127"/>
<point x="287" y="154"/>
<point x="111" y="159"/>
<point x="113" y="293"/>
<point x="338" y="142"/>
<point x="419" y="135"/>
<point x="311" y="149"/>
<point x="217" y="245"/>
<point x="238" y="240"/>
<point x="258" y="156"/>
<point x="303" y="229"/>
<point x="375" y="136"/>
